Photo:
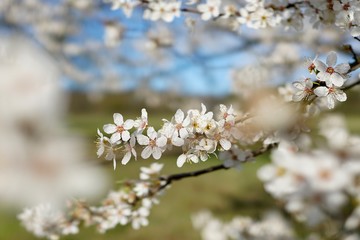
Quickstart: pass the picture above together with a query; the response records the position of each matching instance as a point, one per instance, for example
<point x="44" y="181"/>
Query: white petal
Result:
<point x="225" y="144"/>
<point x="331" y="59"/>
<point x="209" y="115"/>
<point x="331" y="102"/>
<point x="216" y="12"/>
<point x="205" y="16"/>
<point x="267" y="172"/>
<point x="134" y="153"/>
<point x="142" y="140"/>
<point x="186" y="121"/>
<point x="126" y="158"/>
<point x="342" y="68"/>
<point x="146" y="152"/>
<point x="183" y="133"/>
<point x="321" y="91"/>
<point x="231" y="110"/>
<point x="179" y="116"/>
<point x="340" y="96"/>
<point x="114" y="163"/>
<point x="125" y="135"/>
<point x="309" y="83"/>
<point x="128" y="124"/>
<point x="320" y="66"/>
<point x="298" y="96"/>
<point x="299" y="85"/>
<point x="118" y="119"/>
<point x="176" y="141"/>
<point x="99" y="133"/>
<point x="132" y="140"/>
<point x="328" y="82"/>
<point x="115" y="137"/>
<point x="194" y="158"/>
<point x="100" y="151"/>
<point x="202" y="7"/>
<point x="223" y="108"/>
<point x="151" y="133"/>
<point x="161" y="141"/>
<point x="109" y="128"/>
<point x="109" y="155"/>
<point x="322" y="76"/>
<point x="336" y="79"/>
<point x="168" y="17"/>
<point x="144" y="114"/>
<point x="156" y="153"/>
<point x="203" y="157"/>
<point x="203" y="108"/>
<point x="181" y="160"/>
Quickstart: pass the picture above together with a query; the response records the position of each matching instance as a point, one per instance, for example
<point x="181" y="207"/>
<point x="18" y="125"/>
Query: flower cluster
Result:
<point x="316" y="185"/>
<point x="166" y="11"/>
<point x="272" y="227"/>
<point x="44" y="221"/>
<point x="329" y="80"/>
<point x="197" y="133"/>
<point x="257" y="13"/>
<point x="129" y="205"/>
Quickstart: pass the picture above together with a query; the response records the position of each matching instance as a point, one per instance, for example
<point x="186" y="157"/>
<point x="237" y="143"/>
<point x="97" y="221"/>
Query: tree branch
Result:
<point x="353" y="66"/>
<point x="351" y="85"/>
<point x="175" y="177"/>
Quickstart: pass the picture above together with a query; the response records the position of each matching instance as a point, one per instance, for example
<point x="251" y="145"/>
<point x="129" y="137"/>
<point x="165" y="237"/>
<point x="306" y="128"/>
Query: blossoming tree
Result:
<point x="316" y="182"/>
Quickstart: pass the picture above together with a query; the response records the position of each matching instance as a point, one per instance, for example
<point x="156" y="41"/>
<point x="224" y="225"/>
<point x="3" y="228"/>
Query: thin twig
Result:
<point x="175" y="177"/>
<point x="353" y="66"/>
<point x="351" y="85"/>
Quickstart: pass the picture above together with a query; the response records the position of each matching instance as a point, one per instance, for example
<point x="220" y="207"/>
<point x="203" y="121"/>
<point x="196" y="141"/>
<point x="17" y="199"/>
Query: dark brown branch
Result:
<point x="351" y="85"/>
<point x="175" y="177"/>
<point x="236" y="13"/>
<point x="353" y="66"/>
<point x="356" y="63"/>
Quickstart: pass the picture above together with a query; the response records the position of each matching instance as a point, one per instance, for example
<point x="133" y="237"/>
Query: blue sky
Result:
<point x="205" y="72"/>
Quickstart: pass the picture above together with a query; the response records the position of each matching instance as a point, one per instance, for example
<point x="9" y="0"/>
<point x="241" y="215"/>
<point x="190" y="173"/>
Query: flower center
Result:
<point x="308" y="90"/>
<point x="330" y="70"/>
<point x="217" y="137"/>
<point x="120" y="129"/>
<point x="280" y="171"/>
<point x="152" y="143"/>
<point x="227" y="126"/>
<point x="179" y="126"/>
<point x="311" y="67"/>
<point x="325" y="175"/>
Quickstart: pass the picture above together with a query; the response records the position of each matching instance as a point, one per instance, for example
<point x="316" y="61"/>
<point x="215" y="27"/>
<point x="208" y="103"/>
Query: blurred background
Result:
<point x="67" y="65"/>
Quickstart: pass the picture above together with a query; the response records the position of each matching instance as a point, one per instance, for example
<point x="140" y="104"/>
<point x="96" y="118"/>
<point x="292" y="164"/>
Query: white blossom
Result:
<point x="119" y="130"/>
<point x="154" y="142"/>
<point x="331" y="74"/>
<point x="331" y="94"/>
<point x="303" y="90"/>
<point x="209" y="9"/>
